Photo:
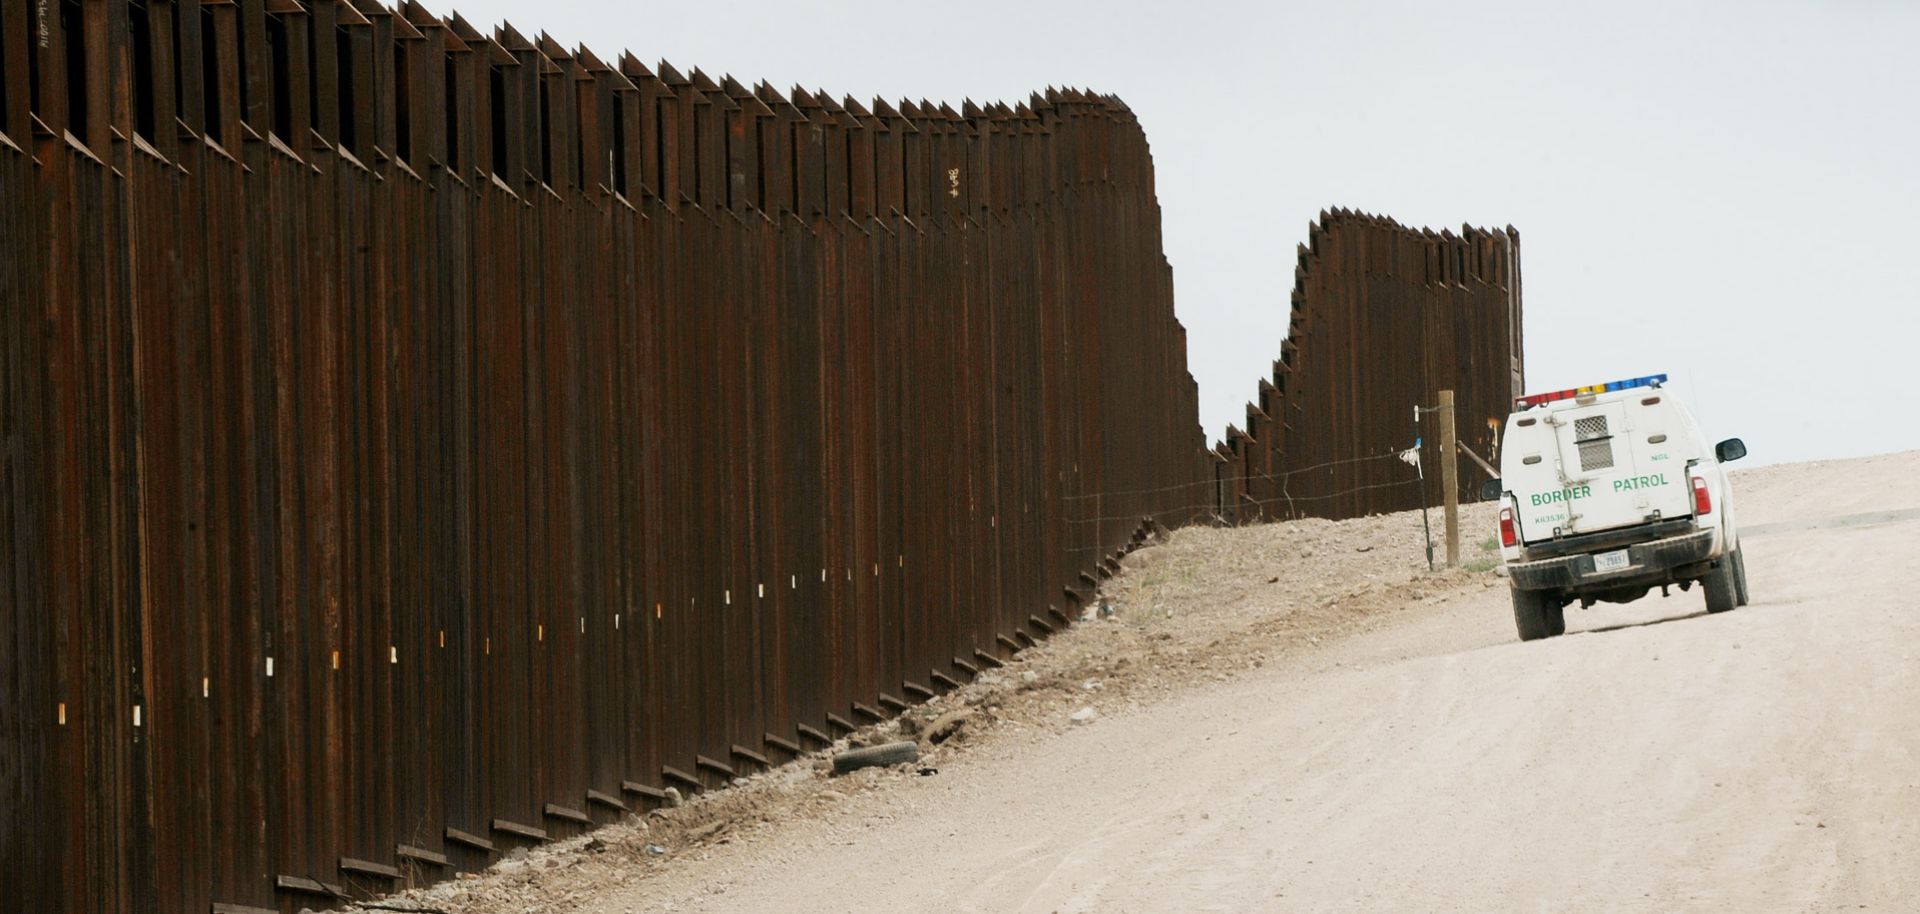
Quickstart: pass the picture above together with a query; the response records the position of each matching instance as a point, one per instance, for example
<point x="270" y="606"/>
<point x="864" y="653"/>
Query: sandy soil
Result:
<point x="1300" y="717"/>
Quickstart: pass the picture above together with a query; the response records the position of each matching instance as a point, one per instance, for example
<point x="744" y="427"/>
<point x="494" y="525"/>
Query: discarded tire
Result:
<point x="888" y="754"/>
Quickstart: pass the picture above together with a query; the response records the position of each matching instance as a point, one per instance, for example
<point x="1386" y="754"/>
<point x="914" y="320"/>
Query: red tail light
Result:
<point x="1702" y="503"/>
<point x="1507" y="537"/>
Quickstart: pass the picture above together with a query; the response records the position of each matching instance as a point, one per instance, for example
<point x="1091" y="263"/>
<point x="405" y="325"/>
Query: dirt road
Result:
<point x="1653" y="759"/>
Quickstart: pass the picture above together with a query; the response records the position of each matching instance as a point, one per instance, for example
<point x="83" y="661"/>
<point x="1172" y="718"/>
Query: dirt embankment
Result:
<point x="1201" y="606"/>
<point x="1301" y="717"/>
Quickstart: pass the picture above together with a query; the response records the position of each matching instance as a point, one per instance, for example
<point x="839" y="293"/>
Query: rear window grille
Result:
<point x="1596" y="455"/>
<point x="1589" y="428"/>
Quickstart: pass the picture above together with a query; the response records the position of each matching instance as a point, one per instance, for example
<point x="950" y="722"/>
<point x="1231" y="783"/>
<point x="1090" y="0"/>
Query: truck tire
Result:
<point x="1723" y="591"/>
<point x="1740" y="576"/>
<point x="1538" y="614"/>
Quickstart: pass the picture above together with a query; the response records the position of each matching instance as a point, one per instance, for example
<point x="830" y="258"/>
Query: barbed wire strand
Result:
<point x="1257" y="501"/>
<point x="1394" y="455"/>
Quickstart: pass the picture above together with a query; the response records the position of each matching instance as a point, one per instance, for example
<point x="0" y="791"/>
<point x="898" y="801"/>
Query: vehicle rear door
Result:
<point x="1607" y="472"/>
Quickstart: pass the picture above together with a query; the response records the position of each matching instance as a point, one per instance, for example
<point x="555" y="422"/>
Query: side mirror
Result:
<point x="1730" y="450"/>
<point x="1492" y="489"/>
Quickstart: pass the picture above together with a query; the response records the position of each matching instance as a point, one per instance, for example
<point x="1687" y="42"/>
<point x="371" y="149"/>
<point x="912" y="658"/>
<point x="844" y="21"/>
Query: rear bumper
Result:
<point x="1662" y="561"/>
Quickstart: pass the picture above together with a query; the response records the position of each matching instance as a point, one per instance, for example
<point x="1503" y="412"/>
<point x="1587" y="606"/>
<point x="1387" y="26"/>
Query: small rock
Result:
<point x="656" y="850"/>
<point x="1500" y="571"/>
<point x="674" y="798"/>
<point x="739" y="782"/>
<point x="1083" y="716"/>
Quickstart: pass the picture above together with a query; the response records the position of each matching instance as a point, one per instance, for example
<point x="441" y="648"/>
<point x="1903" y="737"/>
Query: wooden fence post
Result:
<point x="1450" y="477"/>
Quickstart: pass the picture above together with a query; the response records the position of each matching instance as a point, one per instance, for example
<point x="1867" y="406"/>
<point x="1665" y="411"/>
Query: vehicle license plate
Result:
<point x="1611" y="561"/>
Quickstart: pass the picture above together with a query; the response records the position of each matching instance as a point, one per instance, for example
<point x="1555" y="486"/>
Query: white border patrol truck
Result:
<point x="1606" y="492"/>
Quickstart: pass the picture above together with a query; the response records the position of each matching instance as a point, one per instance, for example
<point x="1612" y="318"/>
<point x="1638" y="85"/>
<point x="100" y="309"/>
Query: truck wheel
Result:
<point x="1740" y="576"/>
<point x="1538" y="614"/>
<point x="1723" y="592"/>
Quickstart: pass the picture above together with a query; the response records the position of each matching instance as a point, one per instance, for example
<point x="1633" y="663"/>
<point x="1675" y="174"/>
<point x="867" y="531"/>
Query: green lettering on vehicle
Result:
<point x="1567" y="494"/>
<point x="1630" y="483"/>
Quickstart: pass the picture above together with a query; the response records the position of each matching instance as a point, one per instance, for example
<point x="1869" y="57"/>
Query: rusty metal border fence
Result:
<point x="422" y="441"/>
<point x="1383" y="318"/>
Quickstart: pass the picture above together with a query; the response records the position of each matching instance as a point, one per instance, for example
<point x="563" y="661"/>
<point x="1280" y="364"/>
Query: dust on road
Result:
<point x="1300" y="717"/>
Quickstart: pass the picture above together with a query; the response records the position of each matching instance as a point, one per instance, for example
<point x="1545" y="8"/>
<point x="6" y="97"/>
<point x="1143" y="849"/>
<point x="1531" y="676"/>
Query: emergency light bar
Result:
<point x="1532" y="400"/>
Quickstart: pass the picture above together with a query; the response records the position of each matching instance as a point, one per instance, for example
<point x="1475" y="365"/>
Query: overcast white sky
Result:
<point x="1726" y="192"/>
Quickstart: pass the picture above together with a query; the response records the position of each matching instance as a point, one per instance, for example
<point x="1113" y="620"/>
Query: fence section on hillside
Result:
<point x="1384" y="317"/>
<point x="421" y="441"/>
